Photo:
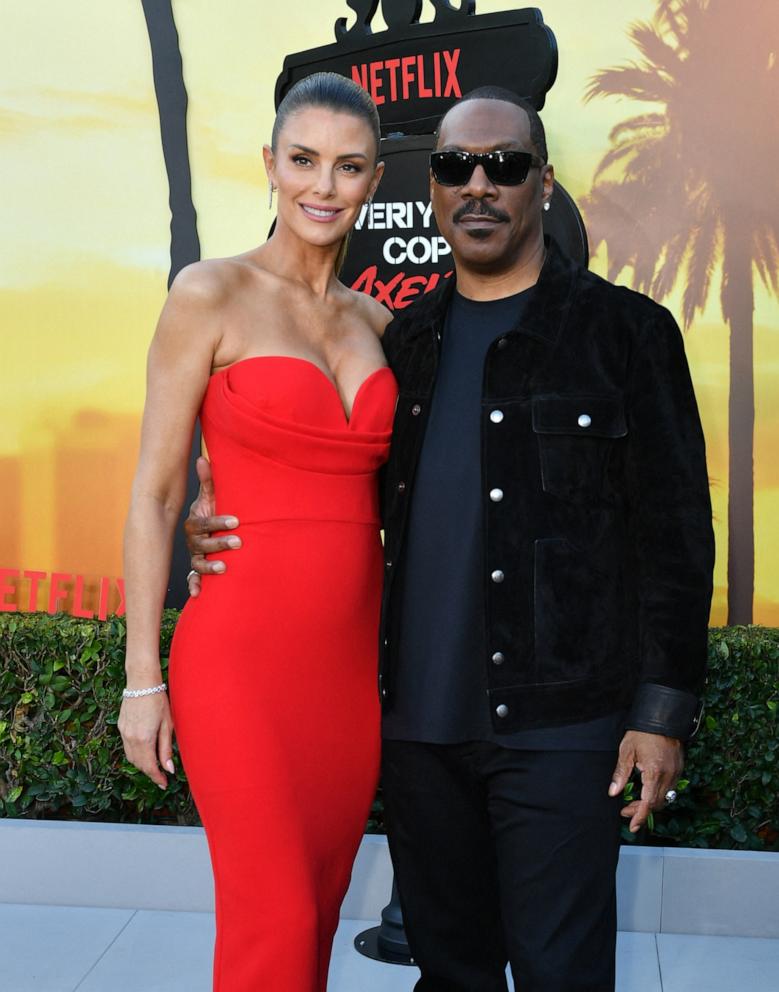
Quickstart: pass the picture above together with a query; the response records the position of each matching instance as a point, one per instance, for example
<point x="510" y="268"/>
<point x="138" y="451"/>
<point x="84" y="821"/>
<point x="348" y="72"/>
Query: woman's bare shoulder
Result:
<point x="373" y="312"/>
<point x="208" y="282"/>
<point x="196" y="311"/>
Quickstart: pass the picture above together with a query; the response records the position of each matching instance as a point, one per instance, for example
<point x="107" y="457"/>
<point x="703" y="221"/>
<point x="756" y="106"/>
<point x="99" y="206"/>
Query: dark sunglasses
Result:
<point x="501" y="168"/>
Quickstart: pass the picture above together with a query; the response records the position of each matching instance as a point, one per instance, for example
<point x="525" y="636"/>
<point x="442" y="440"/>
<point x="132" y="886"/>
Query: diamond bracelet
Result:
<point x="134" y="693"/>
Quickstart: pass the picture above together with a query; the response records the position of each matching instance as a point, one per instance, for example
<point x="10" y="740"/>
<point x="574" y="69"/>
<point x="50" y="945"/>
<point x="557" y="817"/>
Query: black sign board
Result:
<point x="415" y="72"/>
<point x="396" y="252"/>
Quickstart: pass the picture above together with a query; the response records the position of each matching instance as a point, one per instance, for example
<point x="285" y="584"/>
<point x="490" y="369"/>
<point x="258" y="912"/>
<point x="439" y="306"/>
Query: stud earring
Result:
<point x="271" y="191"/>
<point x="547" y="205"/>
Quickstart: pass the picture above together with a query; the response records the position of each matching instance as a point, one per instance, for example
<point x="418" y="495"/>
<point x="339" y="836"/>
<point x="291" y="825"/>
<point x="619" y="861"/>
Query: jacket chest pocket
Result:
<point x="576" y="436"/>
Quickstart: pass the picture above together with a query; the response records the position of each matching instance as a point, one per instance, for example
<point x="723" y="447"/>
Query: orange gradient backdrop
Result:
<point x="85" y="256"/>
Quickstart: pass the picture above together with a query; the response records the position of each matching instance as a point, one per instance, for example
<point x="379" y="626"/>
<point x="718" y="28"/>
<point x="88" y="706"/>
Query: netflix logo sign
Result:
<point x="421" y="77"/>
<point x="415" y="72"/>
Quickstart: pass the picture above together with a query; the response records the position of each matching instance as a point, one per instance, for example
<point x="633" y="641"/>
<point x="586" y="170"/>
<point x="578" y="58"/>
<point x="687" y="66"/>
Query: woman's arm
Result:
<point x="180" y="360"/>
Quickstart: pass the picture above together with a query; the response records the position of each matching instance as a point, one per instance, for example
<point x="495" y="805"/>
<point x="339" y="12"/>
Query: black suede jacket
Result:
<point x="597" y="520"/>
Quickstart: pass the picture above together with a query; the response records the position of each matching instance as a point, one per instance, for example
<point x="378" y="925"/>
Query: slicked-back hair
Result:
<point x="333" y="92"/>
<point x="537" y="132"/>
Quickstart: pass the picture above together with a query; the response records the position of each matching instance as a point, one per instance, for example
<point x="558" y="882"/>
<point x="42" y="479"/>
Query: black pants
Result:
<point x="503" y="856"/>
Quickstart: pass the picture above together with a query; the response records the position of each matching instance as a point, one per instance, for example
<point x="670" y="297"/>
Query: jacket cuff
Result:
<point x="659" y="709"/>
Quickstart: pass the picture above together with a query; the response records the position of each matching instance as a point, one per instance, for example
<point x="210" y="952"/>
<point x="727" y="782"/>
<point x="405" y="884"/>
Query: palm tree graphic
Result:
<point x="690" y="188"/>
<point x="172" y="101"/>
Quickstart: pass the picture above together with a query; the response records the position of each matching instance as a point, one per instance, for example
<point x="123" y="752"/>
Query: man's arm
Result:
<point x="671" y="533"/>
<point x="199" y="526"/>
<point x="673" y="545"/>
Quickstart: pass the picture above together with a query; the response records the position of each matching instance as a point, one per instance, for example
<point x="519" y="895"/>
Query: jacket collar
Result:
<point x="545" y="313"/>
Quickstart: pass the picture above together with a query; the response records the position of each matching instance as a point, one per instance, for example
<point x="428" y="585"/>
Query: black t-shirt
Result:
<point x="440" y="686"/>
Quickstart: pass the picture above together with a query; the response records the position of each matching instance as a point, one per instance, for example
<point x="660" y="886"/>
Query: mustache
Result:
<point x="478" y="208"/>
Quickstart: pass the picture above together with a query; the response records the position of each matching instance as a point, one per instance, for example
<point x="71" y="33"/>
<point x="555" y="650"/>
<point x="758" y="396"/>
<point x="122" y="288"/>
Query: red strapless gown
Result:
<point x="273" y="667"/>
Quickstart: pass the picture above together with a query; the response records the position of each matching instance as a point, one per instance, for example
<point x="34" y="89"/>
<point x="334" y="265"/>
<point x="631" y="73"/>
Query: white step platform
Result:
<point x="129" y="866"/>
<point x="125" y="908"/>
<point x="77" y="949"/>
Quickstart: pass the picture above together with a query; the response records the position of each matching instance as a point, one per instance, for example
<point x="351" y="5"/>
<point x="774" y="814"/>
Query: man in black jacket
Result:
<point x="548" y="563"/>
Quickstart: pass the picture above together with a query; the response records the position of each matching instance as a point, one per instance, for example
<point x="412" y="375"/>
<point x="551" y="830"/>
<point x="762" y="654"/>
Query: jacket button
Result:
<point x="388" y="564"/>
<point x="496" y="495"/>
<point x="497" y="576"/>
<point x="496" y="416"/>
<point x="584" y="420"/>
<point x="416" y="409"/>
<point x="502" y="342"/>
<point x="502" y="710"/>
<point x="401" y="487"/>
<point x="498" y="658"/>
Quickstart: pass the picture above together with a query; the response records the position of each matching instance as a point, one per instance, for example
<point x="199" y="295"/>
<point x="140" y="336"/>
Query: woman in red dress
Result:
<point x="273" y="666"/>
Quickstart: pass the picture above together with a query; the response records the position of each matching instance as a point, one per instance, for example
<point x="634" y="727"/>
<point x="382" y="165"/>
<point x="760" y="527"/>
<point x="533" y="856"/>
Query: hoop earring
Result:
<point x="271" y="191"/>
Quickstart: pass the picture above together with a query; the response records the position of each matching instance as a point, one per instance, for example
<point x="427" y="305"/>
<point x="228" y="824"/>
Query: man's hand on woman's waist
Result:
<point x="200" y="525"/>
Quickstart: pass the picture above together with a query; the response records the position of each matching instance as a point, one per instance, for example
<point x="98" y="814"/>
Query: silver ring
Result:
<point x="190" y="573"/>
<point x="670" y="796"/>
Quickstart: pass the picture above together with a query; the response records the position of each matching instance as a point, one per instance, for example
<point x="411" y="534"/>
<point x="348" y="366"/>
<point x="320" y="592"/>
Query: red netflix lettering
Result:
<point x="415" y="71"/>
<point x="102" y="605"/>
<point x="406" y="74"/>
<point x="66" y="592"/>
<point x="119" y="611"/>
<point x="57" y="590"/>
<point x="392" y="66"/>
<point x="78" y="609"/>
<point x="7" y="589"/>
<point x="35" y="579"/>
<point x="452" y="85"/>
<point x="424" y="91"/>
<point x="376" y="84"/>
<point x="360" y="75"/>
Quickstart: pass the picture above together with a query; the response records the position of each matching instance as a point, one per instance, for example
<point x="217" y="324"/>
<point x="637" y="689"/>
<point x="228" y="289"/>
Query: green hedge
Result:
<point x="61" y="756"/>
<point x="729" y="797"/>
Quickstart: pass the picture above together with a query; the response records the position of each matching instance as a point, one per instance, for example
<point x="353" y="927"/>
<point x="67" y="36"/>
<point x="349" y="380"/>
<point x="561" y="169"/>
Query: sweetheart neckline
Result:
<point x="307" y="361"/>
